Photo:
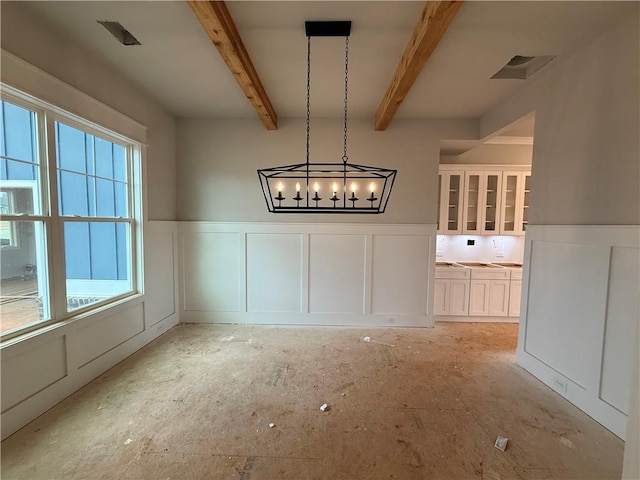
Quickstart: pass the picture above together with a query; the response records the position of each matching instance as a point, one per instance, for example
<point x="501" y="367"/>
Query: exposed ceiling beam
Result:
<point x="217" y="22"/>
<point x="435" y="19"/>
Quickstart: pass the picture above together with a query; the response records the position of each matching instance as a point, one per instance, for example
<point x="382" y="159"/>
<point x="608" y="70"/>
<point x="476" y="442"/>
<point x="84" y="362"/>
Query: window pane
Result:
<point x="96" y="255"/>
<point x="19" y="139"/>
<point x="24" y="298"/>
<point x="14" y="170"/>
<point x="104" y="158"/>
<point x="18" y="197"/>
<point x="72" y="152"/>
<point x="121" y="199"/>
<point x="74" y="194"/>
<point x="105" y="195"/>
<point x="119" y="163"/>
<point x="98" y="184"/>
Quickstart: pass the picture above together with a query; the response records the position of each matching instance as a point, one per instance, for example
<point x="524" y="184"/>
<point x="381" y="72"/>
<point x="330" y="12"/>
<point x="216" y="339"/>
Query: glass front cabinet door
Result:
<point x="482" y="202"/>
<point x="450" y="190"/>
<point x="514" y="213"/>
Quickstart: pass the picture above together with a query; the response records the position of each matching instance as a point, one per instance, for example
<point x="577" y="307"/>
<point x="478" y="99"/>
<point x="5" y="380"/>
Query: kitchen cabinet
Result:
<point x="499" y="298"/>
<point x="477" y="290"/>
<point x="515" y="291"/>
<point x="489" y="291"/>
<point x="479" y="298"/>
<point x="482" y="202"/>
<point x="450" y="196"/>
<point x="489" y="298"/>
<point x="451" y="292"/>
<point x="483" y="199"/>
<point x="514" y="213"/>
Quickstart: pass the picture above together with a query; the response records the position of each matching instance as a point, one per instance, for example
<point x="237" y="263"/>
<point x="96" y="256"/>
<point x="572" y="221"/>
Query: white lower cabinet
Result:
<point x="477" y="292"/>
<point x="499" y="298"/>
<point x="479" y="297"/>
<point x="459" y="297"/>
<point x="451" y="292"/>
<point x="441" y="296"/>
<point x="489" y="298"/>
<point x="515" y="291"/>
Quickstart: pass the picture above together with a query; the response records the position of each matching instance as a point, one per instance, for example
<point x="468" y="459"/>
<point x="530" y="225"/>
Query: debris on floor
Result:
<point x="324" y="407"/>
<point x="501" y="443"/>
<point x="368" y="340"/>
<point x="271" y="425"/>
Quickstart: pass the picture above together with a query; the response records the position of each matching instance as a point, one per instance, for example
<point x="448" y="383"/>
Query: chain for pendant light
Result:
<point x="346" y="94"/>
<point x="308" y="93"/>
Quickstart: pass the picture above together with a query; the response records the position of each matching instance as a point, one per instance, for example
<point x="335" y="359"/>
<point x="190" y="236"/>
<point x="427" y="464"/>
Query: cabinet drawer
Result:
<point x="453" y="272"/>
<point x="490" y="273"/>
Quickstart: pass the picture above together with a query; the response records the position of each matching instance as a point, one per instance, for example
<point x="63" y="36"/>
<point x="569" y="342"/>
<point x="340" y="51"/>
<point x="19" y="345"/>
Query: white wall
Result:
<point x="217" y="179"/>
<point x="306" y="274"/>
<point x="35" y="41"/>
<point x="580" y="285"/>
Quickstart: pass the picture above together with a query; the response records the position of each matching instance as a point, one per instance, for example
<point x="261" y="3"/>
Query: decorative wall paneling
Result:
<point x="307" y="274"/>
<point x="580" y="309"/>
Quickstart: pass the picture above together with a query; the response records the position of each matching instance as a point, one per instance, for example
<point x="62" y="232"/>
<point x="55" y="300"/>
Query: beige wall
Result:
<point x="218" y="159"/>
<point x="586" y="168"/>
<point x="36" y="42"/>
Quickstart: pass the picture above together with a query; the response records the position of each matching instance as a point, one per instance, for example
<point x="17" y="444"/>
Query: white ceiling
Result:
<point x="179" y="66"/>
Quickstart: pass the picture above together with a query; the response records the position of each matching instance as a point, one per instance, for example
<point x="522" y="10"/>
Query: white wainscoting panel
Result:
<point x="400" y="274"/>
<point x="580" y="306"/>
<point x="43" y="367"/>
<point x="97" y="337"/>
<point x="570" y="283"/>
<point x="336" y="273"/>
<point x="623" y="309"/>
<point x="160" y="284"/>
<point x="30" y="372"/>
<point x="211" y="265"/>
<point x="274" y="272"/>
<point x="306" y="274"/>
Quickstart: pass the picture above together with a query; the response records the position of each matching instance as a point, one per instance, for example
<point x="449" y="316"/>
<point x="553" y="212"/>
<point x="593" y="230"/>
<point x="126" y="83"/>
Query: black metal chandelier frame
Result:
<point x="337" y="178"/>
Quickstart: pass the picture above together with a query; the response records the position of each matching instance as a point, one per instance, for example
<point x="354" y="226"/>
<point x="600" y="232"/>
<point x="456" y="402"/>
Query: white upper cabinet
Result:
<point x="450" y="191"/>
<point x="483" y="199"/>
<point x="482" y="202"/>
<point x="514" y="213"/>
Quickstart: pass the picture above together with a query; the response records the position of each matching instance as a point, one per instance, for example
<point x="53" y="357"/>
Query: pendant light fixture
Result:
<point x="340" y="187"/>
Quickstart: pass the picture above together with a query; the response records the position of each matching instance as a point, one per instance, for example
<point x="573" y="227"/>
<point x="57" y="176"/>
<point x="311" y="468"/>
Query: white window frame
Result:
<point x="46" y="209"/>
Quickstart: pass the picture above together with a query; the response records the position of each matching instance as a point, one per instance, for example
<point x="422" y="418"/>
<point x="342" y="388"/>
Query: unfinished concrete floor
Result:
<point x="410" y="404"/>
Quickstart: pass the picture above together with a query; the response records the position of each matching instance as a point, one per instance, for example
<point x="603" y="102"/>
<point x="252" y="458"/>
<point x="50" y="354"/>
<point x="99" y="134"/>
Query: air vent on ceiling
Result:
<point x="521" y="67"/>
<point x="122" y="34"/>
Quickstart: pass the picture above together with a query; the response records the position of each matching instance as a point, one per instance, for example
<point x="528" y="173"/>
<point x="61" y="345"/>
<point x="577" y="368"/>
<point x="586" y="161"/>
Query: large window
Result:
<point x="70" y="215"/>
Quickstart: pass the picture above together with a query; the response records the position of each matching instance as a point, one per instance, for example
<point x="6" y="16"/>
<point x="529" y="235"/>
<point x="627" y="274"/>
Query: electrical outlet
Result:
<point x="560" y="385"/>
<point x="391" y="319"/>
<point x="471" y="243"/>
<point x="439" y="254"/>
<point x="500" y="254"/>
